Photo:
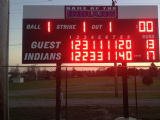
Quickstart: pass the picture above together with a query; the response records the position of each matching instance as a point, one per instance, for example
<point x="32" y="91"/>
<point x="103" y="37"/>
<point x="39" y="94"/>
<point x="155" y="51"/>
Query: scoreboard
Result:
<point x="90" y="34"/>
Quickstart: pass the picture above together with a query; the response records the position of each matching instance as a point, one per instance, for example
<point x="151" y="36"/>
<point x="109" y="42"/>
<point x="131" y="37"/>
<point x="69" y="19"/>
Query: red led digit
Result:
<point x="84" y="26"/>
<point x="93" y="56"/>
<point x="85" y="55"/>
<point x="110" y="26"/>
<point x="128" y="55"/>
<point x="85" y="44"/>
<point x="128" y="44"/>
<point x="100" y="56"/>
<point x="142" y="27"/>
<point x="101" y="44"/>
<point x="121" y="54"/>
<point x="149" y="26"/>
<point x="49" y="26"/>
<point x="77" y="44"/>
<point x="72" y="56"/>
<point x="109" y="56"/>
<point x="72" y="44"/>
<point x="94" y="45"/>
<point x="121" y="45"/>
<point x="77" y="56"/>
<point x="116" y="55"/>
<point x="116" y="44"/>
<point x="109" y="44"/>
<point x="151" y="53"/>
<point x="150" y="44"/>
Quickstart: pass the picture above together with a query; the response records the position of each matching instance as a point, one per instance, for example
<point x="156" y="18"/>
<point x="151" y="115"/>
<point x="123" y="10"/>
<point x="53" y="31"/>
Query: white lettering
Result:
<point x="45" y="45"/>
<point x="41" y="56"/>
<point x="66" y="27"/>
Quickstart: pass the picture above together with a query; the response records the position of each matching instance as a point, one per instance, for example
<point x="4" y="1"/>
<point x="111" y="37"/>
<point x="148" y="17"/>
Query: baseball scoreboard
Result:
<point x="90" y="34"/>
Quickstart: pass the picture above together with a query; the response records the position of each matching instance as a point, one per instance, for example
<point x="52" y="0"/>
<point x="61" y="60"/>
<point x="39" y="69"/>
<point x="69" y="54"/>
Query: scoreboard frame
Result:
<point x="90" y="34"/>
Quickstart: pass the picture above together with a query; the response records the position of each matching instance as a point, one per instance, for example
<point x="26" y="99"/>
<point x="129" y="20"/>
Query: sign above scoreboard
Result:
<point x="90" y="34"/>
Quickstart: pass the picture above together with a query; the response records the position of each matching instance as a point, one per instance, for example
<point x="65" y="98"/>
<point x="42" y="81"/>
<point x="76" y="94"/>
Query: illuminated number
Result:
<point x="94" y="45"/>
<point x="109" y="56"/>
<point x="49" y="26"/>
<point x="72" y="44"/>
<point x="150" y="44"/>
<point x="149" y="26"/>
<point x="110" y="26"/>
<point x="100" y="56"/>
<point x="77" y="44"/>
<point x="77" y="56"/>
<point x="109" y="46"/>
<point x="150" y="47"/>
<point x="116" y="44"/>
<point x="149" y="53"/>
<point x="128" y="44"/>
<point x="85" y="45"/>
<point x="128" y="55"/>
<point x="85" y="55"/>
<point x="121" y="45"/>
<point x="84" y="26"/>
<point x="72" y="56"/>
<point x="70" y="37"/>
<point x="93" y="56"/>
<point x="101" y="44"/>
<point x="142" y="27"/>
<point x="145" y="26"/>
<point x="116" y="55"/>
<point x="121" y="54"/>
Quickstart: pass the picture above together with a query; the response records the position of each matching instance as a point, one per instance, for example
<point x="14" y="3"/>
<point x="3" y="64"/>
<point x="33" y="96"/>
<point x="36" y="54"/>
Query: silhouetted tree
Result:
<point x="153" y="70"/>
<point x="147" y="79"/>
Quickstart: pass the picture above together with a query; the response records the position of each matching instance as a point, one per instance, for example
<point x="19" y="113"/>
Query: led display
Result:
<point x="90" y="41"/>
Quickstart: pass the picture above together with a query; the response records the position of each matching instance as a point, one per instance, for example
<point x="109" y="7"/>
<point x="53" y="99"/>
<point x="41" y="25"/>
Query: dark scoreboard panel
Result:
<point x="90" y="41"/>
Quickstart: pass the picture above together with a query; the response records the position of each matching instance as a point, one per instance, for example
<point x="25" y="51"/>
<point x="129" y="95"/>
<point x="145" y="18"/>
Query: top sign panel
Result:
<point x="64" y="12"/>
<point x="90" y="34"/>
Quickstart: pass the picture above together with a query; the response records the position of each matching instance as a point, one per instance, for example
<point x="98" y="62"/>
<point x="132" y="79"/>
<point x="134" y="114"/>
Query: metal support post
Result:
<point x="136" y="93"/>
<point x="58" y="92"/>
<point x="116" y="81"/>
<point x="125" y="90"/>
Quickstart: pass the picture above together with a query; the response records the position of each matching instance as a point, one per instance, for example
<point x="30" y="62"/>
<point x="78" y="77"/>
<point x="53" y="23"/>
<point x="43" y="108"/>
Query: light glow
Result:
<point x="110" y="26"/>
<point x="77" y="44"/>
<point x="142" y="26"/>
<point x="101" y="44"/>
<point x="149" y="26"/>
<point x="85" y="45"/>
<point x="94" y="45"/>
<point x="150" y="53"/>
<point x="93" y="56"/>
<point x="121" y="45"/>
<point x="128" y="55"/>
<point x="85" y="55"/>
<point x="109" y="56"/>
<point x="121" y="54"/>
<point x="109" y="44"/>
<point x="84" y="26"/>
<point x="128" y="44"/>
<point x="77" y="56"/>
<point x="49" y="27"/>
<point x="150" y="44"/>
<point x="100" y="56"/>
